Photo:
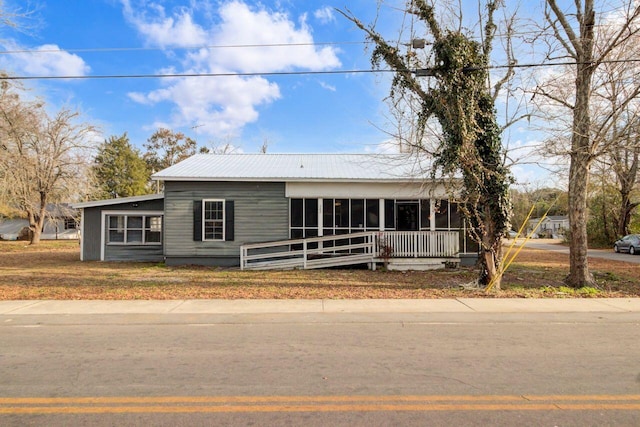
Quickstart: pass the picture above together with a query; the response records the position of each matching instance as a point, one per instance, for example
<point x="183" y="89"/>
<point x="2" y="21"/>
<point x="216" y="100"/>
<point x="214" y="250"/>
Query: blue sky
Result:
<point x="306" y="113"/>
<point x="293" y="113"/>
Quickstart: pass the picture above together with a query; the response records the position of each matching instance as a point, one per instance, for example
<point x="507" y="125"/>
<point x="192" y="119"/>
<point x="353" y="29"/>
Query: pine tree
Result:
<point x="120" y="170"/>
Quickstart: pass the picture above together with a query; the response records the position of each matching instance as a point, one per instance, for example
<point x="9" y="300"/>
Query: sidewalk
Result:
<point x="460" y="305"/>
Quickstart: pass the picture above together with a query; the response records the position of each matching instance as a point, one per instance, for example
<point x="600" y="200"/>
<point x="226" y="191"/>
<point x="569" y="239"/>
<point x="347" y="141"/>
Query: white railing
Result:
<point x="313" y="252"/>
<point x="348" y="249"/>
<point x="419" y="244"/>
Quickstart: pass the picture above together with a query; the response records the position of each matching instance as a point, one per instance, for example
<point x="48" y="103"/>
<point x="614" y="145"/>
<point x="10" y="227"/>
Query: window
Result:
<point x="70" y="223"/>
<point x="442" y="215"/>
<point x="153" y="229"/>
<point x="389" y="214"/>
<point x="134" y="229"/>
<point x="213" y="219"/>
<point x="341" y="216"/>
<point x="357" y="213"/>
<point x="303" y="218"/>
<point x="425" y="214"/>
<point x="373" y="217"/>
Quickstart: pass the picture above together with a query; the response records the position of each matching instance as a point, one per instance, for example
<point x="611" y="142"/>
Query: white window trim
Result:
<point x="103" y="226"/>
<point x="224" y="220"/>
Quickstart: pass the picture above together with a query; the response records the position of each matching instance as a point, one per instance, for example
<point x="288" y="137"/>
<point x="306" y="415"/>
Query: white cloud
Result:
<point x="47" y="60"/>
<point x="217" y="105"/>
<point x="165" y="31"/>
<point x="223" y="105"/>
<point x="242" y="25"/>
<point x="327" y="86"/>
<point x="325" y="15"/>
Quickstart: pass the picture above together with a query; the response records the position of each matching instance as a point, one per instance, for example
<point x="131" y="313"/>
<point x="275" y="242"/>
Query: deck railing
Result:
<point x="348" y="249"/>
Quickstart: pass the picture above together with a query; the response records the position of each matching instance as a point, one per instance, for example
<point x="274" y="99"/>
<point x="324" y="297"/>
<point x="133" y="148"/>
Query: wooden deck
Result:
<point x="403" y="250"/>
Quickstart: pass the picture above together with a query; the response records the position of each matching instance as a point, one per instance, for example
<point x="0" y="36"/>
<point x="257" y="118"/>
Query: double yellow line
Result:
<point x="213" y="404"/>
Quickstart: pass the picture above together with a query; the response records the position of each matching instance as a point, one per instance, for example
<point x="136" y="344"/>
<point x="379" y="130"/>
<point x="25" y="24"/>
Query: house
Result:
<point x="551" y="227"/>
<point x="60" y="223"/>
<point x="282" y="211"/>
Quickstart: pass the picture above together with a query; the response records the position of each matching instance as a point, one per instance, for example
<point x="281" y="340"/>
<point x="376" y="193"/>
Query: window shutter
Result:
<point x="229" y="220"/>
<point x="197" y="220"/>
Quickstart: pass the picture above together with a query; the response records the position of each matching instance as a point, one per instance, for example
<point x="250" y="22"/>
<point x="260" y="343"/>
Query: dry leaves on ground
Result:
<point x="52" y="270"/>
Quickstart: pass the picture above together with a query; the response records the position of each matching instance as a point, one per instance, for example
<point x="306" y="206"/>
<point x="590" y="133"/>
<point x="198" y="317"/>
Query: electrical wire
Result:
<point x="183" y="75"/>
<point x="164" y="48"/>
<point x="424" y="72"/>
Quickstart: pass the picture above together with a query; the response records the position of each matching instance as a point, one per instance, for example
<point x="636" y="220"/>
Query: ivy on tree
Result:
<point x="461" y="101"/>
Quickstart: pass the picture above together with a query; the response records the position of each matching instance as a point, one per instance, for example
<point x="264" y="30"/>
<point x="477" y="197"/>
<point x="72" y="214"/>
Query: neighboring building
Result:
<point x="60" y="223"/>
<point x="551" y="227"/>
<point x="217" y="208"/>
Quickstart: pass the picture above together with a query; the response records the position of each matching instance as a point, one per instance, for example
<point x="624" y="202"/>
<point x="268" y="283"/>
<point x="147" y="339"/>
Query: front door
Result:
<point x="407" y="214"/>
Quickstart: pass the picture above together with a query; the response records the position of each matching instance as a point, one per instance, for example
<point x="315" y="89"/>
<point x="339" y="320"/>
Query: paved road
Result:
<point x="555" y="246"/>
<point x="362" y="364"/>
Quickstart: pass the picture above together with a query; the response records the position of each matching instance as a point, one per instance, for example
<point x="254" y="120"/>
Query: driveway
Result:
<point x="556" y="246"/>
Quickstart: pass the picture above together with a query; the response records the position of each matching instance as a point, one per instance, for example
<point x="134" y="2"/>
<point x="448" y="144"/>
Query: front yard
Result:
<point x="52" y="270"/>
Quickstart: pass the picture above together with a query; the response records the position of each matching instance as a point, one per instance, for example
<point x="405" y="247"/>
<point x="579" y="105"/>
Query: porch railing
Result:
<point x="349" y="249"/>
<point x="419" y="244"/>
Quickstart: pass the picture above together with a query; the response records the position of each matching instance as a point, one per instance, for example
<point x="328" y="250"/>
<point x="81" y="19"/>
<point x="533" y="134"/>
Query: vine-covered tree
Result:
<point x="120" y="170"/>
<point x="458" y="95"/>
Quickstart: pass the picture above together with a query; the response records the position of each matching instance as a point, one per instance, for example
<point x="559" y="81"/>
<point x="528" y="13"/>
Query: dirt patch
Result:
<point x="52" y="270"/>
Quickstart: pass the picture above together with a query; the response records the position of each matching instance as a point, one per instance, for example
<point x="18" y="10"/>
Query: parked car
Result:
<point x="629" y="243"/>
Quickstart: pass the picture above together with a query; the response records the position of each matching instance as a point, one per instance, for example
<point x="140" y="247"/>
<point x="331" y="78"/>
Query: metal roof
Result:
<point x="117" y="201"/>
<point x="295" y="167"/>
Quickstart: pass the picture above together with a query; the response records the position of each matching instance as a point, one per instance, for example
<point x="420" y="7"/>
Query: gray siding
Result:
<point x="133" y="253"/>
<point x="92" y="234"/>
<point x="261" y="215"/>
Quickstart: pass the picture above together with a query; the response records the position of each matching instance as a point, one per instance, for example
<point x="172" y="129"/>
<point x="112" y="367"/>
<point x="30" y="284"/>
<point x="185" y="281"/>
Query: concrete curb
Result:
<point x="460" y="305"/>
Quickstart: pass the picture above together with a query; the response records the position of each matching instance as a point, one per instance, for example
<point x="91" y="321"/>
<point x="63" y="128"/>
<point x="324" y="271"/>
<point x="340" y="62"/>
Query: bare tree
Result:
<point x="224" y="145"/>
<point x="166" y="147"/>
<point x="573" y="29"/>
<point x="624" y="161"/>
<point x="43" y="157"/>
<point x="265" y="146"/>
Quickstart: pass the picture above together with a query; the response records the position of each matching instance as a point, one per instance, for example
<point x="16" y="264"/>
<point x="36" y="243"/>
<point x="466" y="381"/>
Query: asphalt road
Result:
<point x="554" y="246"/>
<point x="318" y="369"/>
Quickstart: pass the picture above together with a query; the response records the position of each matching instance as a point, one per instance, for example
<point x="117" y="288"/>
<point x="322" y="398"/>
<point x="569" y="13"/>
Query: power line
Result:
<point x="179" y="75"/>
<point x="137" y="49"/>
<point x="421" y="72"/>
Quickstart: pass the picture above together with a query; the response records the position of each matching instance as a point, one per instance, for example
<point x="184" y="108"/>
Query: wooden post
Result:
<point x="304" y="253"/>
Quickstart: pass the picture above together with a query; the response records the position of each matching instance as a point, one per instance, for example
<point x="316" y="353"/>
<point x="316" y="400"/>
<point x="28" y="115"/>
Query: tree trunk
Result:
<point x="604" y="212"/>
<point x="491" y="266"/>
<point x="36" y="223"/>
<point x="624" y="214"/>
<point x="491" y="257"/>
<point x="579" y="275"/>
<point x="581" y="156"/>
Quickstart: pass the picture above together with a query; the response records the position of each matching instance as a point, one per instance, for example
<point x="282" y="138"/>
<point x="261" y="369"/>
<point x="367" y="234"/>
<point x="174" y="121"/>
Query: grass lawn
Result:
<point x="52" y="270"/>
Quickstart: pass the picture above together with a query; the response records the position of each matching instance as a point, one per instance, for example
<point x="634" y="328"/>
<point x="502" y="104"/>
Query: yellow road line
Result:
<point x="276" y="399"/>
<point x="318" y="408"/>
<point x="247" y="404"/>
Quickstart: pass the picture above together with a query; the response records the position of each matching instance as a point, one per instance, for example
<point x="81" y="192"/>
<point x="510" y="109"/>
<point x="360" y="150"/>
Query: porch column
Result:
<point x="381" y="218"/>
<point x="320" y="221"/>
<point x="320" y="217"/>
<point x="432" y="215"/>
<point x="433" y="239"/>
